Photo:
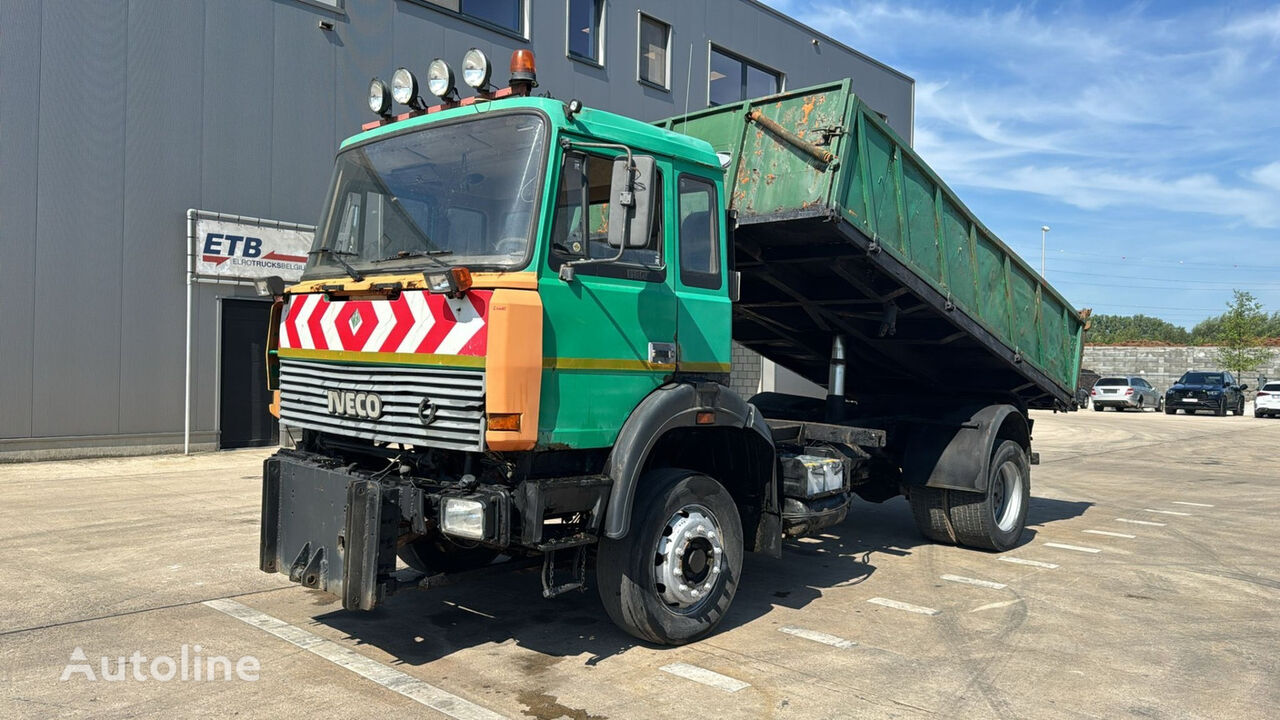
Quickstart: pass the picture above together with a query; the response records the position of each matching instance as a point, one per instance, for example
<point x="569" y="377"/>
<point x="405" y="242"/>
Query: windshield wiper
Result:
<point x="428" y="254"/>
<point x="338" y="255"/>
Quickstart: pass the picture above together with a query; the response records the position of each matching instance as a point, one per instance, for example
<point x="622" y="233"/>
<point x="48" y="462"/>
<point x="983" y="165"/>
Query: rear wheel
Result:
<point x="674" y="575"/>
<point x="1141" y="406"/>
<point x="1159" y="404"/>
<point x="929" y="510"/>
<point x="1097" y="407"/>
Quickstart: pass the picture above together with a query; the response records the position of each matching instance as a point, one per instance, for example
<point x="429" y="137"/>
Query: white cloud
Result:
<point x="1263" y="25"/>
<point x="1122" y="108"/>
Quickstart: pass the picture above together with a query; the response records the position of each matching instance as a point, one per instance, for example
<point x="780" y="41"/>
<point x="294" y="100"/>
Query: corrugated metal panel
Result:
<point x="163" y="117"/>
<point x="126" y="131"/>
<point x="236" y="89"/>
<point x="80" y="216"/>
<point x="302" y="122"/>
<point x="19" y="135"/>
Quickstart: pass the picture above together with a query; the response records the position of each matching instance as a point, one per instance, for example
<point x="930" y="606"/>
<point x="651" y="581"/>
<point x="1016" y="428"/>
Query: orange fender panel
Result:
<point x="513" y="369"/>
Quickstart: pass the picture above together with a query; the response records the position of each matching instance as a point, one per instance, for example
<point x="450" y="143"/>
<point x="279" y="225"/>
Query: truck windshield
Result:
<point x="464" y="193"/>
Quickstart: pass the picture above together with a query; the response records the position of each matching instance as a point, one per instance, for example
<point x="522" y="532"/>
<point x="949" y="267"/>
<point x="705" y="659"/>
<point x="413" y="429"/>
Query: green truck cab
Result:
<point x="513" y="338"/>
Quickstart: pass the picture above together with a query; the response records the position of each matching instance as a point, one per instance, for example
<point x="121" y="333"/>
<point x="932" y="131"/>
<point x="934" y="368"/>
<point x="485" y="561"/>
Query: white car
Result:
<point x="1267" y="403"/>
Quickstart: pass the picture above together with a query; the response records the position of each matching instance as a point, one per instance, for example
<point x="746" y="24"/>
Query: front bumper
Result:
<point x="1193" y="403"/>
<point x="334" y="529"/>
<point x="328" y="530"/>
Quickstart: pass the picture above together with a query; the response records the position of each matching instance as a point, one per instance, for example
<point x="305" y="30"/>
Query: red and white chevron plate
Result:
<point x="414" y="322"/>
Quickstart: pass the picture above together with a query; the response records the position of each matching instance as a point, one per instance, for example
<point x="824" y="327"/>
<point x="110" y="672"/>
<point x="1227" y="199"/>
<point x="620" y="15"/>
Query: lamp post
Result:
<point x="1044" y="231"/>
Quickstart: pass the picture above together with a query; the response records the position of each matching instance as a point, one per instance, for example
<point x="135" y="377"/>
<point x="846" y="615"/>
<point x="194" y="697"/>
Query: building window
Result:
<point x="586" y="30"/>
<point x="334" y="5"/>
<point x="501" y="14"/>
<point x="733" y="79"/>
<point x="655" y="36"/>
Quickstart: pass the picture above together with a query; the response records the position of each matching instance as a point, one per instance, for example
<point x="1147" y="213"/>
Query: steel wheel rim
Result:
<point x="688" y="559"/>
<point x="1006" y="492"/>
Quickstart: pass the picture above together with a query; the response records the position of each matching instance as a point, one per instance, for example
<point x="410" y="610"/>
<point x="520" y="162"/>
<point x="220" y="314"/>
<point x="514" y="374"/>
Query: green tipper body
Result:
<point x="876" y="195"/>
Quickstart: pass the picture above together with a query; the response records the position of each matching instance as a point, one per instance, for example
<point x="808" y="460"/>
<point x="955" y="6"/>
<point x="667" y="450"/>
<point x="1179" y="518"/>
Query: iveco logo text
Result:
<point x="355" y="404"/>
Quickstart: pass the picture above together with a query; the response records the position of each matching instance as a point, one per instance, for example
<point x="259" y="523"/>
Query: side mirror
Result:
<point x="631" y="199"/>
<point x="1243" y="388"/>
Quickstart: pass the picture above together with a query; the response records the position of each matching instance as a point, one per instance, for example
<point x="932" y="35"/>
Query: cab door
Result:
<point x="609" y="334"/>
<point x="704" y="328"/>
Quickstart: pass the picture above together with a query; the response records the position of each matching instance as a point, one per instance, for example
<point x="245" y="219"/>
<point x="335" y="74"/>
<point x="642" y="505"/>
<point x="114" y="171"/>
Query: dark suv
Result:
<point x="1216" y="391"/>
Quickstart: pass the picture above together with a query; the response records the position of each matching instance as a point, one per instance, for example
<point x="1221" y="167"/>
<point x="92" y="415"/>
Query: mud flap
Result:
<point x="328" y="530"/>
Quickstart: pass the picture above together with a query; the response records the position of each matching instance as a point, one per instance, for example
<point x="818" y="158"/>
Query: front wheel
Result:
<point x="994" y="520"/>
<point x="674" y="575"/>
<point x="1159" y="404"/>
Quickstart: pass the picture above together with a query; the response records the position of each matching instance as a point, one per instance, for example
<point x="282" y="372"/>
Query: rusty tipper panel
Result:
<point x="843" y="229"/>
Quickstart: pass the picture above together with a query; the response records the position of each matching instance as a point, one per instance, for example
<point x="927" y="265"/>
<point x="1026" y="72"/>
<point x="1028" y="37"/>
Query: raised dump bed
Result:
<point x="844" y="230"/>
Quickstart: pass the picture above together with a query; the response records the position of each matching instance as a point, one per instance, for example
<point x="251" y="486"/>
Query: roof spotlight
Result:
<point x="404" y="89"/>
<point x="440" y="80"/>
<point x="379" y="98"/>
<point x="476" y="69"/>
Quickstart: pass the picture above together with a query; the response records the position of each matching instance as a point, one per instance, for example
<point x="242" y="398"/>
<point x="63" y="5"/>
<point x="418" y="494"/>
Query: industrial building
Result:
<point x="119" y="116"/>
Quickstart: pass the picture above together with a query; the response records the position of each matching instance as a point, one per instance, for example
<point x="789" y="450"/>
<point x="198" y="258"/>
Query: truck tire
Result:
<point x="928" y="507"/>
<point x="433" y="555"/>
<point x="994" y="520"/>
<point x="674" y="575"/>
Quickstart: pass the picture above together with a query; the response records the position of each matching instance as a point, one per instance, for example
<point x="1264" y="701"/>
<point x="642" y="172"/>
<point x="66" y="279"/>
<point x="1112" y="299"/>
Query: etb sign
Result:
<point x="243" y="250"/>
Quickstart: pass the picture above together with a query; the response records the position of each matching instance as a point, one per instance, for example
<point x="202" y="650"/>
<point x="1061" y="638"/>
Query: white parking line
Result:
<point x="994" y="605"/>
<point x="1140" y="522"/>
<point x="1032" y="563"/>
<point x="973" y="581"/>
<point x="1167" y="512"/>
<point x="1180" y="502"/>
<point x="390" y="678"/>
<point x="1077" y="548"/>
<point x="816" y="636"/>
<point x="705" y="676"/>
<point x="1109" y="534"/>
<point x="897" y="605"/>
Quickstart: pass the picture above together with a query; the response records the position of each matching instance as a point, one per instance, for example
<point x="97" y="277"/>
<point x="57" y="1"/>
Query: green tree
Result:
<point x="1115" y="329"/>
<point x="1240" y="336"/>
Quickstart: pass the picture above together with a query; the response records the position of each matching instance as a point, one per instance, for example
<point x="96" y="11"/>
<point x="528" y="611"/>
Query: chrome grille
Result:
<point x="457" y="395"/>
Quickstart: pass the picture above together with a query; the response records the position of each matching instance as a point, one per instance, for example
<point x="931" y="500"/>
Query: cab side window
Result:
<point x="580" y="229"/>
<point x="699" y="233"/>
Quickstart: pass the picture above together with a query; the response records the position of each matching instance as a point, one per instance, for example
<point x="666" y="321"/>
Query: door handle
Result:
<point x="662" y="353"/>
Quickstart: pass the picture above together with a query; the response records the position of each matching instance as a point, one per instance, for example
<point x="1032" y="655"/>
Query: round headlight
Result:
<point x="440" y="79"/>
<point x="379" y="97"/>
<point x="476" y="69"/>
<point x="404" y="87"/>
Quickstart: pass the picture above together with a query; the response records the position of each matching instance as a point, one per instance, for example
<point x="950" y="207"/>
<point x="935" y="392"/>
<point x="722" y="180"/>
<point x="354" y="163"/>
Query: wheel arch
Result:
<point x="735" y="448"/>
<point x="953" y="451"/>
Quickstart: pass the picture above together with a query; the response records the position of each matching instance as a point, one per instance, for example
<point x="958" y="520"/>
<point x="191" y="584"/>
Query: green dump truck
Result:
<point x="511" y="347"/>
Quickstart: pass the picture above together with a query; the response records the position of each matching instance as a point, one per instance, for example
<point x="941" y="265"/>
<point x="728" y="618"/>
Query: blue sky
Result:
<point x="1146" y="135"/>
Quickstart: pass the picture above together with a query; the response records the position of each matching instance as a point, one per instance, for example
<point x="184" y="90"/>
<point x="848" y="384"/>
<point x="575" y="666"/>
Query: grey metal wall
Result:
<point x="116" y="116"/>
